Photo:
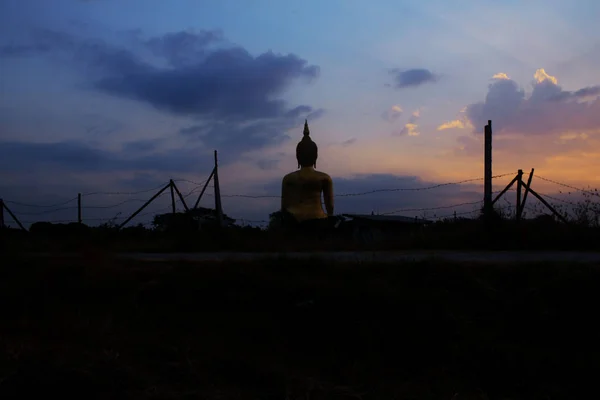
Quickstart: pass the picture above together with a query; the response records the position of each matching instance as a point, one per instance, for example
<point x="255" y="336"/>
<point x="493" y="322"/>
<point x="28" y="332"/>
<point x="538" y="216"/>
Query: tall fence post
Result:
<point x="487" y="186"/>
<point x="519" y="190"/>
<point x="1" y="213"/>
<point x="526" y="191"/>
<point x="79" y="220"/>
<point x="218" y="207"/>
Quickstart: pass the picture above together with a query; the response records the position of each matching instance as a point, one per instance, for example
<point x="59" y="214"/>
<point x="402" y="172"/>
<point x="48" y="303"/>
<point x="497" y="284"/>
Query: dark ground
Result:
<point x="98" y="328"/>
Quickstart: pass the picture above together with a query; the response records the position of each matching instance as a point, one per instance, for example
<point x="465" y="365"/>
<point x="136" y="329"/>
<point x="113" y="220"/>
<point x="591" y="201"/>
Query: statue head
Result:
<point x="306" y="150"/>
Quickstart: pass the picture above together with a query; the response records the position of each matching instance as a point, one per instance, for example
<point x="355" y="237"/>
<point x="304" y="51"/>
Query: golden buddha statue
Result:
<point x="301" y="190"/>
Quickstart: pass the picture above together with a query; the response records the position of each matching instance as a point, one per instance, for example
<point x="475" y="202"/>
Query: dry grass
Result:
<point x="101" y="328"/>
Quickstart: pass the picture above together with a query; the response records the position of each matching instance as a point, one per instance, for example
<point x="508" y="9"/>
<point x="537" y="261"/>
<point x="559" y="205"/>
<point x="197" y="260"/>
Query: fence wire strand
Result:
<point x="62" y="206"/>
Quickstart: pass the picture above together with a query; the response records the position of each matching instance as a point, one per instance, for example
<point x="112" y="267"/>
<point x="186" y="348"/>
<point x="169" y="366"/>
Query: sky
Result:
<point x="121" y="96"/>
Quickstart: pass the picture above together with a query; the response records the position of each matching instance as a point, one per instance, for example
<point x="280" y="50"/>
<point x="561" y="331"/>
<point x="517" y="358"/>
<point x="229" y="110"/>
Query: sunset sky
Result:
<point x="122" y="95"/>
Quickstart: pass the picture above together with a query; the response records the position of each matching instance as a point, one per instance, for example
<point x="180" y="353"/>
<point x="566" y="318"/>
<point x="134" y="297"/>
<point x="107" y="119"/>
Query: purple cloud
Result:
<point x="412" y="77"/>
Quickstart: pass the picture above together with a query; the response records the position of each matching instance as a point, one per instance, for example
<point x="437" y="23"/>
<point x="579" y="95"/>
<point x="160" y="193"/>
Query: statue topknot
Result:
<point x="306" y="150"/>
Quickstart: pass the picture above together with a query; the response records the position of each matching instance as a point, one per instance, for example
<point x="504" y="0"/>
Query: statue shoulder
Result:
<point x="290" y="177"/>
<point x="324" y="176"/>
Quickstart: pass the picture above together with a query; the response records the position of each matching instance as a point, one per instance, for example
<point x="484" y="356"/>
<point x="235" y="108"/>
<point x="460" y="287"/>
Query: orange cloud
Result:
<point x="541" y="75"/>
<point x="500" y="75"/>
<point x="393" y="113"/>
<point x="411" y="127"/>
<point x="459" y="123"/>
<point x="455" y="124"/>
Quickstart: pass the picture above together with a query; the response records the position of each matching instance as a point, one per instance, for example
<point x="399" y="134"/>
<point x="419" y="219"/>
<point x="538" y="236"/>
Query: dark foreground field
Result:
<point x="99" y="328"/>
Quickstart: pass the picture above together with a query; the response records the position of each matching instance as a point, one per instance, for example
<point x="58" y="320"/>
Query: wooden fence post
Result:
<point x="487" y="185"/>
<point x="218" y="207"/>
<point x="519" y="189"/>
<point x="526" y="191"/>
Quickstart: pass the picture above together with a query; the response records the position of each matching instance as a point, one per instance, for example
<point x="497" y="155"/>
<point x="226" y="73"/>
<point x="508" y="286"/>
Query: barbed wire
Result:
<point x="189" y="181"/>
<point x="121" y="203"/>
<point x="40" y="206"/>
<point x="47" y="211"/>
<point x="198" y="184"/>
<point x="124" y="193"/>
<point x="248" y="196"/>
<point x="431" y="208"/>
<point x="556" y="199"/>
<point x="59" y="206"/>
<point x="593" y="192"/>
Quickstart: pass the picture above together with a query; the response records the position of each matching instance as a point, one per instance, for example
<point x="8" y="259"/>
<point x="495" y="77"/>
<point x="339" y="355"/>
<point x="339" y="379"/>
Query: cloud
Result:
<point x="392" y="114"/>
<point x="267" y="165"/>
<point x="234" y="95"/>
<point x="234" y="137"/>
<point x="349" y="142"/>
<point x="143" y="146"/>
<point x="412" y="77"/>
<point x="461" y="122"/>
<point x="184" y="49"/>
<point x="226" y="84"/>
<point x="454" y="124"/>
<point x="468" y="146"/>
<point x="77" y="157"/>
<point x="500" y="75"/>
<point x="411" y="127"/>
<point x="547" y="110"/>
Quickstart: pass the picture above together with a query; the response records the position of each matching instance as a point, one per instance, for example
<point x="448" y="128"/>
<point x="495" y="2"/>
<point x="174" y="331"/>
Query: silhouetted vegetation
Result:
<point x="96" y="327"/>
<point x="180" y="233"/>
<point x="198" y="230"/>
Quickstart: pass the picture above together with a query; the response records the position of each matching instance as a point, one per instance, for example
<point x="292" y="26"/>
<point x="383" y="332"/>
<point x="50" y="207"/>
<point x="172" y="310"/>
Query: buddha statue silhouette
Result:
<point x="301" y="190"/>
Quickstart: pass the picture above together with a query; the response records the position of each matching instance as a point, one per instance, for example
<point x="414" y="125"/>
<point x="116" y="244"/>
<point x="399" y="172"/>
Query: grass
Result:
<point x="99" y="328"/>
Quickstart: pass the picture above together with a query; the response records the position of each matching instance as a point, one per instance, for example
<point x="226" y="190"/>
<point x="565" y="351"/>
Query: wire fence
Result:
<point x="29" y="213"/>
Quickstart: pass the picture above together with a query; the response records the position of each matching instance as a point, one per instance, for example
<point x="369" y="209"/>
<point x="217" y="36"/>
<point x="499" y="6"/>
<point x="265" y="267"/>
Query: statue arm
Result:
<point x="328" y="195"/>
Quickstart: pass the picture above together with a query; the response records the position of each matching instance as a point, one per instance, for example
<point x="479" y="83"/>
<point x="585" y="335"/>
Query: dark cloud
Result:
<point x="77" y="157"/>
<point x="547" y="110"/>
<point x="591" y="91"/>
<point x="99" y="125"/>
<point x="43" y="41"/>
<point x="143" y="146"/>
<point x="267" y="165"/>
<point x="412" y="77"/>
<point x="233" y="94"/>
<point x="140" y="182"/>
<point x="183" y="49"/>
<point x="234" y="137"/>
<point x="216" y="83"/>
